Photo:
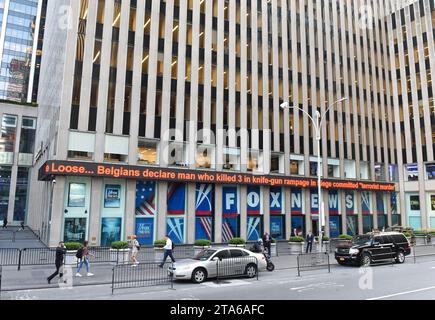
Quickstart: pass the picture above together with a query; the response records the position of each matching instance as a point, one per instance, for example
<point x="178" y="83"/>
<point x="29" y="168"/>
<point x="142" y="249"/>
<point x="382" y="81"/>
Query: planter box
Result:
<point x="120" y="256"/>
<point x="70" y="258"/>
<point x="198" y="249"/>
<point x="296" y="247"/>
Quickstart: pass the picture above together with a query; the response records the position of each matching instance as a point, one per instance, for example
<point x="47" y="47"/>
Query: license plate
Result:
<point x="341" y="259"/>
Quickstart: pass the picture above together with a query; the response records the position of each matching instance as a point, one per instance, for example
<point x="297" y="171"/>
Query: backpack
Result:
<point x="79" y="253"/>
<point x="138" y="246"/>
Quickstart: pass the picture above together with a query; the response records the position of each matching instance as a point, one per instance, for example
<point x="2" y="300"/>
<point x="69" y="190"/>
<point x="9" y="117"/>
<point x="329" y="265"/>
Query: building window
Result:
<point x="20" y="207"/>
<point x="364" y="170"/>
<point x="349" y="169"/>
<point x="231" y="159"/>
<point x="205" y="157"/>
<point x="147" y="152"/>
<point x="28" y="132"/>
<point x="411" y="172"/>
<point x="379" y="172"/>
<point x="178" y="154"/>
<point x="7" y="139"/>
<point x="333" y="168"/>
<point x="297" y="165"/>
<point x="277" y="163"/>
<point x="5" y="184"/>
<point x="393" y="173"/>
<point x="430" y="171"/>
<point x="255" y="161"/>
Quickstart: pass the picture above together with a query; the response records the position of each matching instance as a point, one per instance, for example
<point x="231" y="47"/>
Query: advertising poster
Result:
<point x="204" y="211"/>
<point x="277" y="227"/>
<point x="296" y="201"/>
<point x="175" y="229"/>
<point x="75" y="230"/>
<point x="77" y="195"/>
<point x="145" y="230"/>
<point x="254" y="228"/>
<point x="414" y="202"/>
<point x="110" y="231"/>
<point x="276" y="207"/>
<point x="298" y="225"/>
<point x="334" y="226"/>
<point x="176" y="198"/>
<point x="146" y="198"/>
<point x="253" y="201"/>
<point x="112" y="196"/>
<point x="352" y="225"/>
<point x="349" y="200"/>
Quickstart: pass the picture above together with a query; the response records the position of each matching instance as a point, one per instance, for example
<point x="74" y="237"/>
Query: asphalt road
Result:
<point x="384" y="282"/>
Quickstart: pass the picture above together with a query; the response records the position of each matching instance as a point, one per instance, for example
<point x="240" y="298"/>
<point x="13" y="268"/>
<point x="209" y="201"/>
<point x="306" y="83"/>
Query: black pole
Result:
<point x="19" y="259"/>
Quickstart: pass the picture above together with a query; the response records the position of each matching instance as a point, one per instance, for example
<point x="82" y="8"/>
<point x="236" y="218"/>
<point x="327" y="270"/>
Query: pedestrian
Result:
<point x="135" y="246"/>
<point x="310" y="239"/>
<point x="267" y="242"/>
<point x="169" y="247"/>
<point x="5" y="223"/>
<point x="22" y="226"/>
<point x="60" y="254"/>
<point x="83" y="254"/>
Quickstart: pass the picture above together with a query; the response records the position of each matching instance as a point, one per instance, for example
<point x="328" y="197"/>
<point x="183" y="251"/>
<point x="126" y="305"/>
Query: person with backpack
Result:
<point x="83" y="254"/>
<point x="135" y="247"/>
<point x="169" y="248"/>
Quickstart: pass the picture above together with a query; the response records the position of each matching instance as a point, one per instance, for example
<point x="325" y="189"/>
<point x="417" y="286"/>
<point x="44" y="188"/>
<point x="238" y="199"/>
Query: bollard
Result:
<point x="113" y="280"/>
<point x="19" y="259"/>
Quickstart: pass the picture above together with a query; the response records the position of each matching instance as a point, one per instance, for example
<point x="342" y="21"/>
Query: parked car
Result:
<point x="375" y="247"/>
<point x="231" y="262"/>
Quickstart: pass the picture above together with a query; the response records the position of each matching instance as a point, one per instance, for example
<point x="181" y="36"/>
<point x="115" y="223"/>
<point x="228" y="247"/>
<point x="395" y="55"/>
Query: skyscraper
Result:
<point x="164" y="117"/>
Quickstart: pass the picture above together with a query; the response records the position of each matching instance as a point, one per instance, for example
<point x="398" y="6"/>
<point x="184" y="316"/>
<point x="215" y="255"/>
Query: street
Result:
<point x="381" y="282"/>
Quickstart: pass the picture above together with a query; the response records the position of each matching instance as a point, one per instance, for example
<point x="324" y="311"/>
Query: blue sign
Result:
<point x="146" y="198"/>
<point x="334" y="226"/>
<point x="253" y="201"/>
<point x="296" y="201"/>
<point x="204" y="228"/>
<point x="110" y="231"/>
<point x="254" y="228"/>
<point x="230" y="228"/>
<point x="393" y="203"/>
<point x="175" y="229"/>
<point x="176" y="198"/>
<point x="277" y="227"/>
<point x="365" y="202"/>
<point x="230" y="206"/>
<point x="334" y="203"/>
<point x="350" y="202"/>
<point x="314" y="202"/>
<point x="276" y="207"/>
<point x="298" y="225"/>
<point x="380" y="203"/>
<point x="204" y="200"/>
<point x="145" y="230"/>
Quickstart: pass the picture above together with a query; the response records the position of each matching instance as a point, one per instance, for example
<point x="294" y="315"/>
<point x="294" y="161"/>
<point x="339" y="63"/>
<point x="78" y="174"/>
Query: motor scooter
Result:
<point x="270" y="266"/>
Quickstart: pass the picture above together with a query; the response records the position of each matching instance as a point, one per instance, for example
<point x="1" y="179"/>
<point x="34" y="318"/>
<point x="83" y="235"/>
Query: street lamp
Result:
<point x="317" y="122"/>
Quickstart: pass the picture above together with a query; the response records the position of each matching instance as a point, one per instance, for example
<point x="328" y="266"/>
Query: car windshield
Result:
<point x="362" y="240"/>
<point x="204" y="255"/>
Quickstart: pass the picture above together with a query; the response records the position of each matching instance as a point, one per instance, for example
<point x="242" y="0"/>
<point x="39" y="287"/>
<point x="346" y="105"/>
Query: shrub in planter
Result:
<point x="237" y="241"/>
<point x="296" y="239"/>
<point x="407" y="234"/>
<point x="159" y="243"/>
<point x="203" y="243"/>
<point x="118" y="245"/>
<point x="72" y="246"/>
<point x="345" y="237"/>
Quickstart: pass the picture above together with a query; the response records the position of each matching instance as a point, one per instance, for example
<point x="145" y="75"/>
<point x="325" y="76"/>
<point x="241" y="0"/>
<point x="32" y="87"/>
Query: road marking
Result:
<point x="323" y="285"/>
<point x="402" y="293"/>
<point x="234" y="283"/>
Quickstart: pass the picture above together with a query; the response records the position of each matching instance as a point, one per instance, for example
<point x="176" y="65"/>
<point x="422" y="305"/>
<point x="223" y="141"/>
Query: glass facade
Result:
<point x="16" y="62"/>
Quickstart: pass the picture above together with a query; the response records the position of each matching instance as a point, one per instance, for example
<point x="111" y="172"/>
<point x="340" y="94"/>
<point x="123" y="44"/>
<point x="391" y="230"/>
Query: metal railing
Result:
<point x="9" y="257"/>
<point x="1" y="274"/>
<point x="236" y="267"/>
<point x="313" y="261"/>
<point x="422" y="251"/>
<point x="143" y="275"/>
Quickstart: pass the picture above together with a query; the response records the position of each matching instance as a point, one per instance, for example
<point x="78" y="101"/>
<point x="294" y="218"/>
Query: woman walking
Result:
<point x="134" y="250"/>
<point x="83" y="254"/>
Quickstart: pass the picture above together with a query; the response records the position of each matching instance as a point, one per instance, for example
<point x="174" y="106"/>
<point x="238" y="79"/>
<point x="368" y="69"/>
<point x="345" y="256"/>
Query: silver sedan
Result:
<point x="224" y="262"/>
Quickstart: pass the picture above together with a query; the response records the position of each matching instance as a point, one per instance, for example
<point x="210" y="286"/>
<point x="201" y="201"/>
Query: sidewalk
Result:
<point x="35" y="277"/>
<point x="14" y="238"/>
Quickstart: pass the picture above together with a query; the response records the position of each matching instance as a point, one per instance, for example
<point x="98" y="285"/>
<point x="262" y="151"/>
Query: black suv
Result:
<point x="374" y="247"/>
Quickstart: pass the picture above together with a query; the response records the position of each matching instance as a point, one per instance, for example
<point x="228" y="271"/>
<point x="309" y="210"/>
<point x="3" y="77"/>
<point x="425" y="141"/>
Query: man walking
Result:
<point x="168" y="251"/>
<point x="310" y="240"/>
<point x="60" y="254"/>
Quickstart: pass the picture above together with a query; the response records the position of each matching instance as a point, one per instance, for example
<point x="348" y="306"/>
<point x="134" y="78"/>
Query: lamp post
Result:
<point x="317" y="123"/>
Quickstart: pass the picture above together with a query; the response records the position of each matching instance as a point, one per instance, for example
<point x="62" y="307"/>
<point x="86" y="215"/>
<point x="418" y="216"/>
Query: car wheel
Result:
<point x="366" y="260"/>
<point x="400" y="257"/>
<point x="341" y="263"/>
<point x="199" y="275"/>
<point x="251" y="270"/>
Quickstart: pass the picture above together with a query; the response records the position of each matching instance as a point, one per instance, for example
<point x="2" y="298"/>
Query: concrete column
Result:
<point x="343" y="211"/>
<point x="288" y="217"/>
<point x="218" y="214"/>
<point x="57" y="214"/>
<point x="130" y="210"/>
<point x="359" y="211"/>
<point x="162" y="206"/>
<point x="266" y="209"/>
<point x="243" y="212"/>
<point x="306" y="194"/>
<point x="388" y="208"/>
<point x="325" y="197"/>
<point x="373" y="208"/>
<point x="190" y="216"/>
<point x="95" y="211"/>
<point x="14" y="172"/>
